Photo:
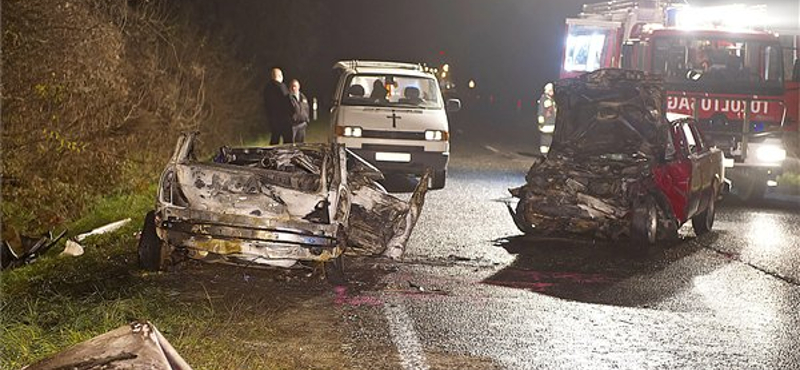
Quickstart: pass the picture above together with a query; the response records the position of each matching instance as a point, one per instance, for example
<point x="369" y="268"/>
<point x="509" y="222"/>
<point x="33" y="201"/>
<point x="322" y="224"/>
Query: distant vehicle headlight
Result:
<point x="770" y="153"/>
<point x="435" y="135"/>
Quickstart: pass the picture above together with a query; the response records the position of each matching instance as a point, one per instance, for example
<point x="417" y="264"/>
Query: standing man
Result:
<point x="276" y="100"/>
<point x="547" y="118"/>
<point x="300" y="112"/>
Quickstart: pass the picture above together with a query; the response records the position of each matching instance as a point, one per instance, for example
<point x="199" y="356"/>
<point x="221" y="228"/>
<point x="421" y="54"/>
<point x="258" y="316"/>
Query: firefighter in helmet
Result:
<point x="546" y="118"/>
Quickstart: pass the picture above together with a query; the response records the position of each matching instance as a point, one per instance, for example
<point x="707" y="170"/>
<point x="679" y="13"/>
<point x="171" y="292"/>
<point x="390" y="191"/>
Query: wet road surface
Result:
<point x="473" y="294"/>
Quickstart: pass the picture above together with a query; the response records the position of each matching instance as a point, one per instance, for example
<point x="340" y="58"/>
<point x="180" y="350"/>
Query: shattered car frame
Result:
<point x="618" y="167"/>
<point x="274" y="206"/>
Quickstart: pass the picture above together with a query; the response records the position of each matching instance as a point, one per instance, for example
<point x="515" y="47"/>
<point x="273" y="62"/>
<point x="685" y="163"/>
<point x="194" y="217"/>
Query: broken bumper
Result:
<point x="257" y="240"/>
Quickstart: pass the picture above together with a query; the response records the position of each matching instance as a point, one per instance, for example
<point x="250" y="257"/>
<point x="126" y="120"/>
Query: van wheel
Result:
<point x="644" y="223"/>
<point x="153" y="253"/>
<point x="704" y="221"/>
<point x="438" y="179"/>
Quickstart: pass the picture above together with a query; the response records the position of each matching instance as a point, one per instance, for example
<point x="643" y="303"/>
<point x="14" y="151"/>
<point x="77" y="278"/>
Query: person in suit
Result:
<point x="278" y="106"/>
<point x="300" y="112"/>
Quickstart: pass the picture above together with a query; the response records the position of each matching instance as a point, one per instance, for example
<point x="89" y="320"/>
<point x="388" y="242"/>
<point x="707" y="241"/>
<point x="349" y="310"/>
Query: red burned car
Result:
<point x="618" y="167"/>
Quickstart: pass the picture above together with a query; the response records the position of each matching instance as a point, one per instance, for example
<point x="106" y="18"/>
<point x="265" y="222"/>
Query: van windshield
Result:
<point x="392" y="91"/>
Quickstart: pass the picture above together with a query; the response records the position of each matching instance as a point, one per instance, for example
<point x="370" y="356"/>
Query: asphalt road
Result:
<point x="473" y="294"/>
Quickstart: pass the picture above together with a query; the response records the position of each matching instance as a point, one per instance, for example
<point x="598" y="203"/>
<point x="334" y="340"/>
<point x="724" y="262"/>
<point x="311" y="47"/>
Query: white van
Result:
<point x="393" y="115"/>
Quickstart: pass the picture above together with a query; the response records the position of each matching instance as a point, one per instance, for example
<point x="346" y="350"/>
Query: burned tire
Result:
<point x="151" y="248"/>
<point x="704" y="221"/>
<point x="438" y="179"/>
<point x="644" y="223"/>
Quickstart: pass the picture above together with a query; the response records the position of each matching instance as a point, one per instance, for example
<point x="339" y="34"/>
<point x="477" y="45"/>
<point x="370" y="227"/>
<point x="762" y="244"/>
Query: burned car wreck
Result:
<point x="274" y="206"/>
<point x="617" y="166"/>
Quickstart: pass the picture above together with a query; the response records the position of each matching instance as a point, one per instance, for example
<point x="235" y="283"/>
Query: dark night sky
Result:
<point x="510" y="47"/>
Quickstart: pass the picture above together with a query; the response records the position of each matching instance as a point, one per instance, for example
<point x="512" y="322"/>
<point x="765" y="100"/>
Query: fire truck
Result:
<point x="720" y="65"/>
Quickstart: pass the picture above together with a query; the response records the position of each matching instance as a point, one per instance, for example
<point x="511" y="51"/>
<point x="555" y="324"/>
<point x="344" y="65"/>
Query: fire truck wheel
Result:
<point x="644" y="223"/>
<point x="704" y="221"/>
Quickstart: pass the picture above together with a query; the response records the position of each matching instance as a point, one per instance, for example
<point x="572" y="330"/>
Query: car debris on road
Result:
<point x="275" y="206"/>
<point x="617" y="166"/>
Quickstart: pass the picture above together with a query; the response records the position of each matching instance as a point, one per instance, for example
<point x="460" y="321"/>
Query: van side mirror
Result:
<point x="453" y="105"/>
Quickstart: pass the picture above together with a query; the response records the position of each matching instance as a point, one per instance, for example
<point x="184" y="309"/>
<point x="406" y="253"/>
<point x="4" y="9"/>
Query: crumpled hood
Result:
<point x="610" y="111"/>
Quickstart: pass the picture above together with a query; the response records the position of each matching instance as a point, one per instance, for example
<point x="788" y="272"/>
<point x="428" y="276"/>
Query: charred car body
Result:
<point x="275" y="206"/>
<point x="618" y="167"/>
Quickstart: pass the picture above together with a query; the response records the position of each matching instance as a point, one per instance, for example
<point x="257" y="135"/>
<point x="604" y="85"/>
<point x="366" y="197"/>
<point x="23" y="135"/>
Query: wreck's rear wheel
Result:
<point x="644" y="222"/>
<point x="152" y="251"/>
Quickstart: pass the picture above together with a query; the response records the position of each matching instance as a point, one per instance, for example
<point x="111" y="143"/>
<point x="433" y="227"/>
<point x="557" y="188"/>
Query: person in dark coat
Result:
<point x="276" y="101"/>
<point x="300" y="112"/>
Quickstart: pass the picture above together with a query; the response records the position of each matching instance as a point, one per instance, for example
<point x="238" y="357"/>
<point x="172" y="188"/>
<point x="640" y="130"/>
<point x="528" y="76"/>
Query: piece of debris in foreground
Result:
<point x="136" y="346"/>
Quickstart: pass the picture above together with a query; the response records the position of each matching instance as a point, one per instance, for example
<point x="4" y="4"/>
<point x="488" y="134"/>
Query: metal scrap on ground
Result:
<point x="136" y="346"/>
<point x="17" y="250"/>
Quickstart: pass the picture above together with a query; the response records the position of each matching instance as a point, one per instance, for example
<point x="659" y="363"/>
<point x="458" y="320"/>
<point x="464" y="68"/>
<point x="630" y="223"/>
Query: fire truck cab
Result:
<point x="735" y="81"/>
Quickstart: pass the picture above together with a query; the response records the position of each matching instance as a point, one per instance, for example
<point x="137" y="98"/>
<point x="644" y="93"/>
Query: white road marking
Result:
<point x="404" y="337"/>
<point x="491" y="149"/>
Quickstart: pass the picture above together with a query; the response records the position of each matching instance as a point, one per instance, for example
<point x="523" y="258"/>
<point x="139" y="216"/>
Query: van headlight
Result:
<point x="435" y="135"/>
<point x="770" y="153"/>
<point x="349" y="131"/>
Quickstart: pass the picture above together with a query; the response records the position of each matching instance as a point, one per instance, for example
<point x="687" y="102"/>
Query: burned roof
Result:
<point x="610" y="111"/>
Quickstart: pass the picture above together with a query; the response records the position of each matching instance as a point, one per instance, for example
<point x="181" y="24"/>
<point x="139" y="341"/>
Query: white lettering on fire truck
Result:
<point x="686" y="104"/>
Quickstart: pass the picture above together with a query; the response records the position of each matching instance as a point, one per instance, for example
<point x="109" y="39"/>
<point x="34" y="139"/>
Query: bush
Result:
<point x="94" y="94"/>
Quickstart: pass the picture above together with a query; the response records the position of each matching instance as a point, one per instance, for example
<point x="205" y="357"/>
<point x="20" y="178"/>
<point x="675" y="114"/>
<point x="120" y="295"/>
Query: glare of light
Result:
<point x="548" y="129"/>
<point x="772" y="183"/>
<point x="444" y="74"/>
<point x="771" y="153"/>
<point x="729" y="16"/>
<point x="446" y="68"/>
<point x="765" y="234"/>
<point x="471" y="84"/>
<point x="544" y="149"/>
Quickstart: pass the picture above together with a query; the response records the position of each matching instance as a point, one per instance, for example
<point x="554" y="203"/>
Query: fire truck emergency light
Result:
<point x="734" y="16"/>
